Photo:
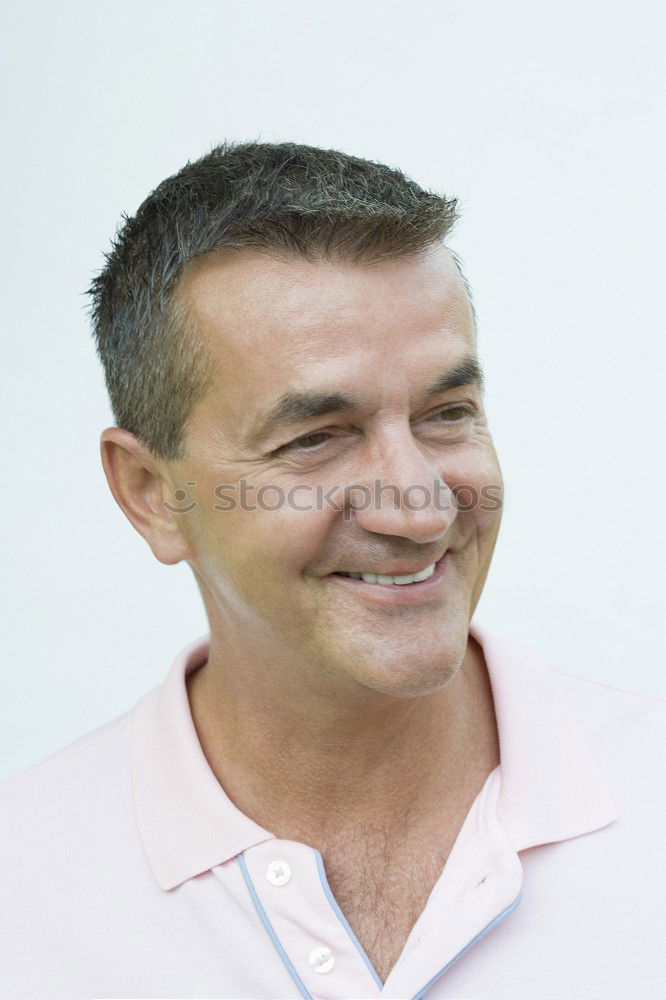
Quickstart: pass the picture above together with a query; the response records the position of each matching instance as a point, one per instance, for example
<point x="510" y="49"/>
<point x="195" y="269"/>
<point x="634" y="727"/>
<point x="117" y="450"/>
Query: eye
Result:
<point x="449" y="416"/>
<point x="308" y="442"/>
<point x="453" y="414"/>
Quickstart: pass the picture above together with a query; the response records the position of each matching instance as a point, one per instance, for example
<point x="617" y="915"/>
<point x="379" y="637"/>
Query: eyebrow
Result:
<point x="299" y="407"/>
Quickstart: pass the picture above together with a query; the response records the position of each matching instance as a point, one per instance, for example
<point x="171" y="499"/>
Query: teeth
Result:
<point x="398" y="581"/>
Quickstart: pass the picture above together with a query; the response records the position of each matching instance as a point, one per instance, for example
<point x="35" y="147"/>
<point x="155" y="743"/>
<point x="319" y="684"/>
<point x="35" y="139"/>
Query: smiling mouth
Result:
<point x="384" y="580"/>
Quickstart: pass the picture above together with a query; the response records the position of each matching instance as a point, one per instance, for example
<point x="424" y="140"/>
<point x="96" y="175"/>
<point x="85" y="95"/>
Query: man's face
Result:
<point x="381" y="336"/>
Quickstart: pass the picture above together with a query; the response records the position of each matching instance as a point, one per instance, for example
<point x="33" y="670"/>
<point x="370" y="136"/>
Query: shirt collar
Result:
<point x="551" y="786"/>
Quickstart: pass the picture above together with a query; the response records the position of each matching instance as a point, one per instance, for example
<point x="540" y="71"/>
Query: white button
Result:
<point x="321" y="959"/>
<point x="278" y="872"/>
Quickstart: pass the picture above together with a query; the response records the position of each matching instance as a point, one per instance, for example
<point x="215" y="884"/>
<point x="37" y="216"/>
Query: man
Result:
<point x="348" y="788"/>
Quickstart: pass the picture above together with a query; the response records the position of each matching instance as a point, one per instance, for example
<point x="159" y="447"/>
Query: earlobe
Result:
<point x="138" y="485"/>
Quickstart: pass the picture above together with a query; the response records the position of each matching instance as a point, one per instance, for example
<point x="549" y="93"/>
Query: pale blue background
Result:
<point x="545" y="120"/>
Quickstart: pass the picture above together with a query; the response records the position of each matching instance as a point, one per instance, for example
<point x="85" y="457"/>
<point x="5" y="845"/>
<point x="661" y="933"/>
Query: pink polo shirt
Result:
<point x="128" y="873"/>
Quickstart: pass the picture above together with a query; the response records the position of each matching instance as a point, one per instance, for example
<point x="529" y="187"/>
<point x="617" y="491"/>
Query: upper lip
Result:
<point x="394" y="570"/>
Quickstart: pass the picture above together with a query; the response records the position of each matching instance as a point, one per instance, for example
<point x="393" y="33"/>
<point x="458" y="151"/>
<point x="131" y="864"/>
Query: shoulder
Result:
<point x="66" y="793"/>
<point x="96" y="742"/>
<point x="605" y="711"/>
<point x="72" y="862"/>
<point x="611" y="714"/>
<point x="69" y="844"/>
<point x="625" y="730"/>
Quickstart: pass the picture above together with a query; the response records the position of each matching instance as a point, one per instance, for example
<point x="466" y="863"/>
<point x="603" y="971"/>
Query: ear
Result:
<point x="142" y="492"/>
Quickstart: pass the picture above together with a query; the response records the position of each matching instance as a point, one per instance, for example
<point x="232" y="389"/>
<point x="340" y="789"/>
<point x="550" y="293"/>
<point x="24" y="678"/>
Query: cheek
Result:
<point x="260" y="548"/>
<point x="476" y="480"/>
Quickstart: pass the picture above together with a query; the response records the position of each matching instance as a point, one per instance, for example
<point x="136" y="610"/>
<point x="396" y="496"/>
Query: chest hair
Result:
<point x="382" y="884"/>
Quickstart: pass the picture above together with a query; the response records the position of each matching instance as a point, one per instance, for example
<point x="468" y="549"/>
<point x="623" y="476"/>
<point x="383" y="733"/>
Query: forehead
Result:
<point x="272" y="326"/>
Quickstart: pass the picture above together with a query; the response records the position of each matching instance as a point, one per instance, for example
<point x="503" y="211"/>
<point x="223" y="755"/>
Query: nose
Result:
<point x="401" y="492"/>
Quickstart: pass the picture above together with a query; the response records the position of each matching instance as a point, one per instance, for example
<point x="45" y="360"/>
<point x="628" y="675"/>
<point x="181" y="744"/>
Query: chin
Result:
<point x="410" y="685"/>
<point x="410" y="672"/>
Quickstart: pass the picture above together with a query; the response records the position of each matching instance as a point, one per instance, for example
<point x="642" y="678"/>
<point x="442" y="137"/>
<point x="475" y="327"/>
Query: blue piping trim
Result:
<point x="270" y="931"/>
<point x="505" y="913"/>
<point x="341" y="917"/>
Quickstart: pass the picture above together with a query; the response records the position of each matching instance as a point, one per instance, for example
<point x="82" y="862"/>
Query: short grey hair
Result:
<point x="283" y="199"/>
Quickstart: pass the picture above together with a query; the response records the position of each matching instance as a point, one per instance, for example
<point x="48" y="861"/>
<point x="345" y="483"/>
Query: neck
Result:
<point x="307" y="767"/>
